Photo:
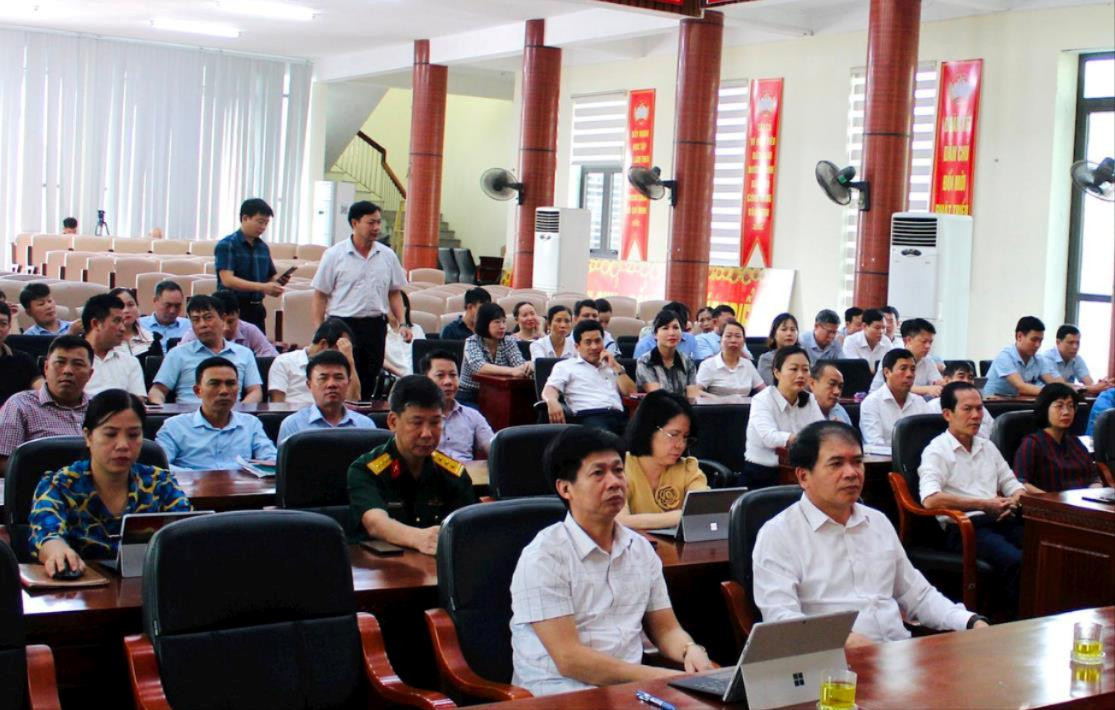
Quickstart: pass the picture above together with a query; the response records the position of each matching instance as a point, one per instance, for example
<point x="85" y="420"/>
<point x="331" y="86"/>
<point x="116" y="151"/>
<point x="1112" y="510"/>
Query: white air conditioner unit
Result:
<point x="561" y="246"/>
<point x="331" y="202"/>
<point x="931" y="275"/>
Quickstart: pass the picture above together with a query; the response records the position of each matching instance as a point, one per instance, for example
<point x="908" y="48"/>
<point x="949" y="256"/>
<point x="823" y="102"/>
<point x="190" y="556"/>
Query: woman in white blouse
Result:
<point x="398" y="356"/>
<point x="528" y="324"/>
<point x="777" y="414"/>
<point x="559" y="343"/>
<point x="137" y="339"/>
<point x="730" y="373"/>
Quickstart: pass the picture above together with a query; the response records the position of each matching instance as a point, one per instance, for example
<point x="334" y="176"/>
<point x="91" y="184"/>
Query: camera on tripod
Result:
<point x="102" y="226"/>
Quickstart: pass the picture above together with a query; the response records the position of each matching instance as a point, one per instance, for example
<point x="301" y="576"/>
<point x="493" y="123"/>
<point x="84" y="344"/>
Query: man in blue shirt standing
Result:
<point x="244" y="263"/>
<point x="1017" y="369"/>
<point x="214" y="436"/>
<point x="327" y="375"/>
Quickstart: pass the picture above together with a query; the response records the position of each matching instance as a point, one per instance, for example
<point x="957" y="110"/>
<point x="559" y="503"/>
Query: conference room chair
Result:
<point x="12" y="276"/>
<point x="626" y="345"/>
<point x="624" y="306"/>
<point x="30" y="462"/>
<point x="202" y="247"/>
<point x="624" y="327"/>
<point x="142" y="274"/>
<point x="74" y="294"/>
<point x="747" y="516"/>
<point x="310" y="252"/>
<point x="54" y="263"/>
<point x="75" y="263"/>
<point x="312" y="470"/>
<point x="567" y="301"/>
<point x="256" y="609"/>
<point x="496" y="290"/>
<point x="283" y="250"/>
<point x="508" y="302"/>
<point x="27" y="677"/>
<point x="131" y="245"/>
<point x="466" y="265"/>
<point x="429" y="303"/>
<point x="646" y="311"/>
<point x="513" y="460"/>
<point x="758" y="345"/>
<point x="211" y="268"/>
<point x="857" y="374"/>
<point x="151" y="365"/>
<point x="170" y="247"/>
<point x="431" y="276"/>
<point x="100" y="270"/>
<point x="427" y="321"/>
<point x="271" y="422"/>
<point x="421" y="346"/>
<point x="721" y="434"/>
<point x="523" y="292"/>
<point x="152" y="423"/>
<point x="182" y="266"/>
<point x="457" y="287"/>
<point x="84" y="242"/>
<point x="305" y="271"/>
<point x="1009" y="429"/>
<point x="471" y="631"/>
<point x="203" y="287"/>
<point x="984" y="366"/>
<point x="418" y="287"/>
<point x="455" y="303"/>
<point x="294" y="321"/>
<point x="970" y="363"/>
<point x="918" y="528"/>
<point x="19" y="250"/>
<point x="43" y="243"/>
<point x="447" y="318"/>
<point x="448" y="264"/>
<point x="1103" y="439"/>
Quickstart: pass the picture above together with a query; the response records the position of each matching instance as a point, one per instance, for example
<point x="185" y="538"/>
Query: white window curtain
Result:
<point x="157" y="136"/>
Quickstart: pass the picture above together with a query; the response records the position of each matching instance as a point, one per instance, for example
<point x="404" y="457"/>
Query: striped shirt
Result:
<point x="34" y="414"/>
<point x="477" y="355"/>
<point x="1050" y="466"/>
<point x="249" y="261"/>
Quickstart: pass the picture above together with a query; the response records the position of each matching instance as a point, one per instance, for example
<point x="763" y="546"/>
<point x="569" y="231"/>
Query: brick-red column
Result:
<point x="698" y="85"/>
<point x="538" y="146"/>
<point x="427" y="142"/>
<point x="892" y="62"/>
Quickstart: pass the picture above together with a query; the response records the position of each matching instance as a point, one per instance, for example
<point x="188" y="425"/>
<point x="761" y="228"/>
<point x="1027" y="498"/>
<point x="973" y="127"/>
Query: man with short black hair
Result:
<point x="1017" y="369"/>
<point x="361" y="282"/>
<point x="870" y="343"/>
<point x="237" y="330"/>
<point x="820" y="343"/>
<point x="214" y="436"/>
<point x="57" y="408"/>
<point x="890" y="323"/>
<point x="244" y="263"/>
<point x="604" y="312"/>
<point x="591" y="383"/>
<point x="829" y="552"/>
<point x="327" y="376"/>
<point x="465" y="324"/>
<point x="1064" y="359"/>
<point x="20" y="371"/>
<point x="853" y="323"/>
<point x="69" y="225"/>
<point x="917" y="337"/>
<point x="465" y="432"/>
<point x="165" y="318"/>
<point x="586" y="309"/>
<point x="103" y="321"/>
<point x="585" y="589"/>
<point x="39" y="304"/>
<point x="960" y="371"/>
<point x="826" y="382"/>
<point x="286" y="381"/>
<point x="881" y="410"/>
<point x="401" y="491"/>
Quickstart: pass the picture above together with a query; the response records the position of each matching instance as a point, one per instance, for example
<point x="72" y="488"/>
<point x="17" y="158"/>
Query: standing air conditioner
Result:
<point x="331" y="202"/>
<point x="561" y="246"/>
<point x="931" y="275"/>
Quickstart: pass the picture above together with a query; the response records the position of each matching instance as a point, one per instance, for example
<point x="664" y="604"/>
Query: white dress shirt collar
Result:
<point x="584" y="545"/>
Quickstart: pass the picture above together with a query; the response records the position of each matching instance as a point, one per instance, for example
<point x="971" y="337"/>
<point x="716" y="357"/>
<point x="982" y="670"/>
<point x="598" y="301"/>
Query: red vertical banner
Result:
<point x="640" y="146"/>
<point x="954" y="149"/>
<point x="760" y="164"/>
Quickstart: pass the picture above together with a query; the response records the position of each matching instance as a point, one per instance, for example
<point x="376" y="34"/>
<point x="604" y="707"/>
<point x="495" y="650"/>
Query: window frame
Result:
<point x="610" y="171"/>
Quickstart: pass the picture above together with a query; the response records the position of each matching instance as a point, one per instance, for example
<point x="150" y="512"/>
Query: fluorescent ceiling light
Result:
<point x="268" y="9"/>
<point x="213" y="29"/>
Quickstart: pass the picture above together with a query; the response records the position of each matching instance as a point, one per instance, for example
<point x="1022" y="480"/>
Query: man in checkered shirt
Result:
<point x="584" y="588"/>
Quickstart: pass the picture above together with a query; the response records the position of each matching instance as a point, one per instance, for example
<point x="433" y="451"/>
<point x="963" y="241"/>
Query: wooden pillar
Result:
<point x="698" y="87"/>
<point x="892" y="62"/>
<point x="427" y="142"/>
<point x="538" y="142"/>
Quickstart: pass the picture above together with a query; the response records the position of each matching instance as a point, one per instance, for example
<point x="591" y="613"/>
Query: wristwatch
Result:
<point x="977" y="617"/>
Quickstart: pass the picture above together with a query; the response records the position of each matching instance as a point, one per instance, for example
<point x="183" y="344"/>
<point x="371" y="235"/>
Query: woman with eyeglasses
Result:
<point x="658" y="472"/>
<point x="1052" y="458"/>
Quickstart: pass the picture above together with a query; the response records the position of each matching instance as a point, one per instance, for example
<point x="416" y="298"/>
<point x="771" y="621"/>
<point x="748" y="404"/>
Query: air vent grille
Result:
<point x="547" y="221"/>
<point x="913" y="232"/>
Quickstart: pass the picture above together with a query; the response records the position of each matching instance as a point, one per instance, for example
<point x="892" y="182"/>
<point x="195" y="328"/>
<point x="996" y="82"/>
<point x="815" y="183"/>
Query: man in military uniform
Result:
<point x="401" y="491"/>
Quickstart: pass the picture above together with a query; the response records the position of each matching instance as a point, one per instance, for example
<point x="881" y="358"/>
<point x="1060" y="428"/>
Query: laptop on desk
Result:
<point x="704" y="515"/>
<point x="782" y="663"/>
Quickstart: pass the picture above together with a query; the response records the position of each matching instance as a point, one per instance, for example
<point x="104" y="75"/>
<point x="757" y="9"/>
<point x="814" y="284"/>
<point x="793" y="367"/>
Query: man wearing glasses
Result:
<point x="244" y="264"/>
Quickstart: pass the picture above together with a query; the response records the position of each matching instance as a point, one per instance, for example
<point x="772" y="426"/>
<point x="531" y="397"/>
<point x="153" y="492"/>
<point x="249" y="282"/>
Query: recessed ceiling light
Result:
<point x="268" y="9"/>
<point x="213" y="29"/>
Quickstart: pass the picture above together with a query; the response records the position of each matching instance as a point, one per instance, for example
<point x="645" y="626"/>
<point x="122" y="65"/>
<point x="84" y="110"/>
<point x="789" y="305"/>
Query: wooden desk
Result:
<point x="1022" y="664"/>
<point x="1068" y="552"/>
<point x="506" y="401"/>
<point x="222" y="490"/>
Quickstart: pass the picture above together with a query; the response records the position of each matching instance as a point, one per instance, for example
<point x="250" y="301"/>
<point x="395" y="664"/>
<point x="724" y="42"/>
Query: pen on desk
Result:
<point x="651" y="700"/>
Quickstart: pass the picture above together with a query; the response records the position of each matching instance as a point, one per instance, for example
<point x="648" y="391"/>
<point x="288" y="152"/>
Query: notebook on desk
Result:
<point x="704" y="515"/>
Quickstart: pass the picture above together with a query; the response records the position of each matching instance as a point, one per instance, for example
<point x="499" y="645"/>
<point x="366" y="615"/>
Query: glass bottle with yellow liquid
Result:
<point x="838" y="691"/>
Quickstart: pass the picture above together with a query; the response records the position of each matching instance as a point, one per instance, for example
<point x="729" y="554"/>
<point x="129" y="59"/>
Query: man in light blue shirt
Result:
<point x="820" y="343"/>
<point x="328" y="375"/>
<point x="214" y="436"/>
<point x="1018" y="370"/>
<point x="1064" y="360"/>
<point x="688" y="344"/>
<point x="1103" y="403"/>
<point x="177" y="371"/>
<point x="164" y="318"/>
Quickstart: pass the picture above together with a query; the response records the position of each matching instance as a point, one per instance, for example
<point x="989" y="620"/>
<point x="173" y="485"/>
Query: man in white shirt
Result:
<point x="917" y="337"/>
<point x="853" y="323"/>
<point x="585" y="589"/>
<point x="826" y="382"/>
<point x="361" y="282"/>
<point x="882" y="409"/>
<point x="286" y="381"/>
<point x="891" y="323"/>
<point x="870" y="343"/>
<point x="962" y="471"/>
<point x="829" y="553"/>
<point x="102" y="317"/>
<point x="165" y="318"/>
<point x="959" y="371"/>
<point x="591" y="383"/>
<point x="587" y="309"/>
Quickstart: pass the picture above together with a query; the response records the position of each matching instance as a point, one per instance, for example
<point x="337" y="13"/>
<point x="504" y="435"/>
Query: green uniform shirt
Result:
<point x="380" y="479"/>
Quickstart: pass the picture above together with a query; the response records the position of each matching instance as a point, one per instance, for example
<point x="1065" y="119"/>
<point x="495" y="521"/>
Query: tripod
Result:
<point x="101" y="230"/>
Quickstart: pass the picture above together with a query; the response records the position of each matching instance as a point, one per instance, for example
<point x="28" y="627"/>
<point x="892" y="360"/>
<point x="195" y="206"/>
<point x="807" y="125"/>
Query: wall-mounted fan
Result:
<point x="1094" y="179"/>
<point x="649" y="183"/>
<point x="500" y="184"/>
<point x="838" y="184"/>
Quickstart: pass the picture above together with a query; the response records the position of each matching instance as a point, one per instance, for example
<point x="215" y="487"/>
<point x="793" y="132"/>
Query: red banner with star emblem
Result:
<point x="640" y="146"/>
<point x="760" y="164"/>
<point x="954" y="150"/>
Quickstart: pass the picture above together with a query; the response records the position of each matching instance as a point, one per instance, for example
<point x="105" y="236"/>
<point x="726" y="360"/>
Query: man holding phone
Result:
<point x="244" y="264"/>
<point x="360" y="281"/>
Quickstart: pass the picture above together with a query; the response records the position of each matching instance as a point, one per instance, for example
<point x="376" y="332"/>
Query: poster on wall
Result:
<point x="954" y="149"/>
<point x="640" y="146"/>
<point x="759" y="170"/>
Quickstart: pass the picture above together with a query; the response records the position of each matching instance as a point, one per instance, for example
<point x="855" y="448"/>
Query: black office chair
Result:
<point x="524" y="348"/>
<point x="272" y="422"/>
<point x="721" y="435"/>
<point x="256" y="609"/>
<point x="448" y="264"/>
<point x="514" y="461"/>
<point x="27" y="466"/>
<point x="312" y="470"/>
<point x="857" y="374"/>
<point x="151" y="365"/>
<point x="152" y="423"/>
<point x="471" y="631"/>
<point x="34" y="345"/>
<point x="629" y="365"/>
<point x="970" y="363"/>
<point x="543" y="366"/>
<point x="1009" y="429"/>
<point x="465" y="265"/>
<point x="918" y="528"/>
<point x="984" y="366"/>
<point x="419" y="347"/>
<point x="756" y="346"/>
<point x="748" y="514"/>
<point x="1103" y="439"/>
<point x="26" y="672"/>
<point x="263" y="364"/>
<point x="626" y="345"/>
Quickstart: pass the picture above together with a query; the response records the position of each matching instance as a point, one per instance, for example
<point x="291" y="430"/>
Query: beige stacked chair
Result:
<point x="427" y="321"/>
<point x="283" y="250"/>
<point x="508" y="302"/>
<point x="306" y="271"/>
<point x="61" y="312"/>
<point x="53" y="263"/>
<point x="619" y="326"/>
<point x="43" y="243"/>
<point x="281" y="265"/>
<point x="100" y="270"/>
<point x="567" y="301"/>
<point x="75" y="264"/>
<point x="145" y="288"/>
<point x="182" y="267"/>
<point x="430" y="304"/>
<point x="647" y="309"/>
<point x="12" y="287"/>
<point x="310" y="252"/>
<point x="170" y="247"/>
<point x="497" y="291"/>
<point x="202" y="287"/>
<point x="455" y="303"/>
<point x="625" y="306"/>
<point x="527" y="292"/>
<point x="579" y="295"/>
<point x="298" y="322"/>
<point x="457" y="287"/>
<point x="25" y="278"/>
<point x="417" y="287"/>
<point x="211" y="268"/>
<point x="446" y="319"/>
<point x="128" y="268"/>
<point x="131" y="245"/>
<point x="87" y="243"/>
<point x="19" y="250"/>
<point x="206" y="247"/>
<point x="433" y="276"/>
<point x="74" y="295"/>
